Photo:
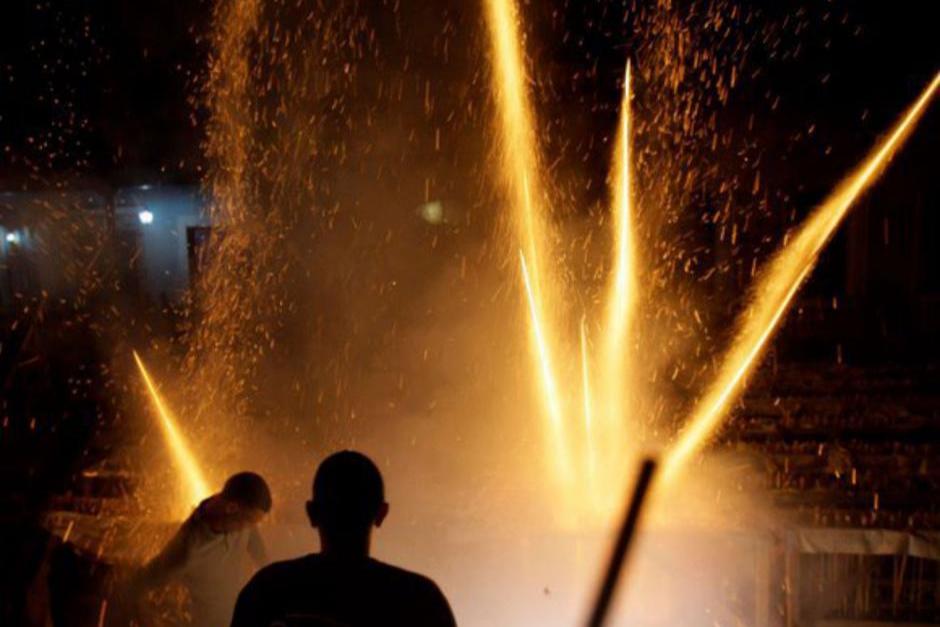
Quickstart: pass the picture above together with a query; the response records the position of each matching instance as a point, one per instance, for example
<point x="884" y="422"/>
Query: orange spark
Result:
<point x="182" y="455"/>
<point x="777" y="285"/>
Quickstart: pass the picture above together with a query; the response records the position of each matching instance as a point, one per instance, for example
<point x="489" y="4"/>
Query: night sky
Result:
<point x="100" y="89"/>
<point x="108" y="89"/>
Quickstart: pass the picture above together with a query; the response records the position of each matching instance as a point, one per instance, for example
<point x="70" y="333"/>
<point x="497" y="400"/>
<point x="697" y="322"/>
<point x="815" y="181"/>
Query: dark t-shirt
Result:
<point x="318" y="591"/>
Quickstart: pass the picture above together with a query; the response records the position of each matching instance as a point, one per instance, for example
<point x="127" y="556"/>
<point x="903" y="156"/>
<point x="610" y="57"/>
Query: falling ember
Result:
<point x="548" y="378"/>
<point x="778" y="284"/>
<point x="102" y="613"/>
<point x="185" y="461"/>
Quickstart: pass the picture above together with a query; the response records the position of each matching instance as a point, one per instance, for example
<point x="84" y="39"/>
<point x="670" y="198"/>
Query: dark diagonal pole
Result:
<point x="627" y="530"/>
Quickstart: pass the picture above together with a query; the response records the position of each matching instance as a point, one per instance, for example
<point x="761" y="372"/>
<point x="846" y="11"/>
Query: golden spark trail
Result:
<point x="621" y="296"/>
<point x="521" y="177"/>
<point x="623" y="286"/>
<point x="552" y="401"/>
<point x="518" y="145"/>
<point x="590" y="443"/>
<point x="185" y="461"/>
<point x="777" y="285"/>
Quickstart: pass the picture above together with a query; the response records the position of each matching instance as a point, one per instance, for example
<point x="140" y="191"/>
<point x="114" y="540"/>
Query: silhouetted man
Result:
<point x="342" y="586"/>
<point x="215" y="551"/>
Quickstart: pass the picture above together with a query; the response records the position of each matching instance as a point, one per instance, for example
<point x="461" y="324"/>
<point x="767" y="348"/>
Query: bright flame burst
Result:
<point x="606" y="423"/>
<point x="183" y="457"/>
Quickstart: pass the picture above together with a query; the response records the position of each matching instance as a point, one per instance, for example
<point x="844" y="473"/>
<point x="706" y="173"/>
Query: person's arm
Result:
<point x="169" y="561"/>
<point x="256" y="548"/>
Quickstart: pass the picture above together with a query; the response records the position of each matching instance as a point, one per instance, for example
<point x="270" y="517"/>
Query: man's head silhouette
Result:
<point x="342" y="584"/>
<point x="243" y="501"/>
<point x="348" y="500"/>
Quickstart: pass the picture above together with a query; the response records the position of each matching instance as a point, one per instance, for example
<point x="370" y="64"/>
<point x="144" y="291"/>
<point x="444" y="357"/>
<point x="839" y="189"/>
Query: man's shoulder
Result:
<point x="404" y="577"/>
<point x="299" y="586"/>
<point x="427" y="604"/>
<point x="286" y="569"/>
<point x="313" y="565"/>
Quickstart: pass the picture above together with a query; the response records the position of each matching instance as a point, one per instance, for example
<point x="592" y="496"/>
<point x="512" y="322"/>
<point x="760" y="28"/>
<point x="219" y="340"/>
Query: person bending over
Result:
<point x="214" y="552"/>
<point x="341" y="586"/>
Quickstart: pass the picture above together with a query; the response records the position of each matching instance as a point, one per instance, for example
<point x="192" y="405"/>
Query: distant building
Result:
<point x="167" y="227"/>
<point x="61" y="243"/>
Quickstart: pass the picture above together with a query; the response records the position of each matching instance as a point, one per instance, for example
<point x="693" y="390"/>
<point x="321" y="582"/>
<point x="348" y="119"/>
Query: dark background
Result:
<point x="110" y="91"/>
<point x="107" y="87"/>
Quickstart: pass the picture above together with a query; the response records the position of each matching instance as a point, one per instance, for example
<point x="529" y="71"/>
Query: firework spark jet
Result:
<point x="589" y="438"/>
<point x="604" y="430"/>
<point x="621" y="296"/>
<point x="519" y="155"/>
<point x="545" y="363"/>
<point x="185" y="461"/>
<point x="518" y="145"/>
<point x="777" y="285"/>
<point x="605" y="423"/>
